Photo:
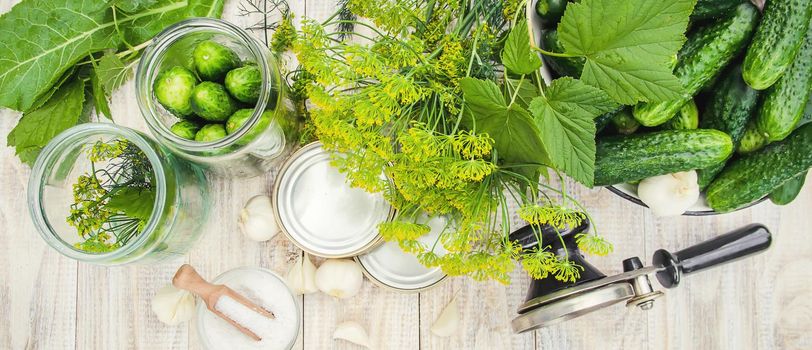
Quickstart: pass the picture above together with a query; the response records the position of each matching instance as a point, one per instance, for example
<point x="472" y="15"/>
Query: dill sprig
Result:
<point x="108" y="201"/>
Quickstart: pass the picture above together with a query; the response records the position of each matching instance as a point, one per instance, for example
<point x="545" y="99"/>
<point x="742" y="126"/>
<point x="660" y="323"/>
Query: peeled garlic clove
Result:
<point x="256" y="219"/>
<point x="301" y="276"/>
<point x="173" y="306"/>
<point x="340" y="278"/>
<point x="670" y="194"/>
<point x="353" y="333"/>
<point x="448" y="322"/>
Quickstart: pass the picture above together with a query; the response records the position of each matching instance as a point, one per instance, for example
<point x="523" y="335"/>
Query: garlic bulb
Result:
<point x="353" y="333"/>
<point x="670" y="194"/>
<point x="256" y="219"/>
<point x="173" y="306"/>
<point x="340" y="278"/>
<point x="448" y="322"/>
<point x="301" y="276"/>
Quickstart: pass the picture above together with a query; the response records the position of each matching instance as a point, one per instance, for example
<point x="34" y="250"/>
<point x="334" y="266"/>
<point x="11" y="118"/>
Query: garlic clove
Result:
<point x="256" y="219"/>
<point x="670" y="194"/>
<point x="301" y="276"/>
<point x="448" y="322"/>
<point x="340" y="278"/>
<point x="352" y="332"/>
<point x="173" y="306"/>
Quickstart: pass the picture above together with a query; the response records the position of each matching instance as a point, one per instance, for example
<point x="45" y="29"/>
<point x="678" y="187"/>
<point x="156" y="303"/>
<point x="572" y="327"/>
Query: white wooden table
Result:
<point x="50" y="302"/>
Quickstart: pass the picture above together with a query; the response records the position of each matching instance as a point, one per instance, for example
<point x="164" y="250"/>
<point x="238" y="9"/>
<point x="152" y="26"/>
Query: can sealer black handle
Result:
<point x="719" y="250"/>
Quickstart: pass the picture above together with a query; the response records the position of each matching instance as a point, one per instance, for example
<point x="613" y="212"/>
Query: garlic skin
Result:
<point x="340" y="278"/>
<point x="173" y="306"/>
<point x="448" y="322"/>
<point x="256" y="219"/>
<point x="670" y="194"/>
<point x="301" y="277"/>
<point x="352" y="332"/>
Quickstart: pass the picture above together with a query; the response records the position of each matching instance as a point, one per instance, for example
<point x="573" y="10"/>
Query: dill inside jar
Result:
<point x="214" y="94"/>
<point x="109" y="195"/>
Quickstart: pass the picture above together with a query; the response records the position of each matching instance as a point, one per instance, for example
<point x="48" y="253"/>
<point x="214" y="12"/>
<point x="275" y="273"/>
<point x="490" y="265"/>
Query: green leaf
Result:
<point x="100" y="97"/>
<point x="38" y="127"/>
<point x="516" y="137"/>
<point x="527" y="91"/>
<point x="164" y="13"/>
<point x="627" y="45"/>
<point x="133" y="5"/>
<point x="564" y="115"/>
<point x="517" y="56"/>
<point x="44" y="38"/>
<point x="113" y="72"/>
<point x="133" y="202"/>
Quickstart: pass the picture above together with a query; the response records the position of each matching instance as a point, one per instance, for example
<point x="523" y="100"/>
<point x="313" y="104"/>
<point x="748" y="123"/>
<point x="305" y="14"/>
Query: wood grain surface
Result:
<point x="50" y="302"/>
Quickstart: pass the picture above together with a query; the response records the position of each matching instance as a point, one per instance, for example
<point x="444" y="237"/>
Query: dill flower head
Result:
<point x="567" y="271"/>
<point x="593" y="244"/>
<point x="554" y="215"/>
<point x="398" y="230"/>
<point x="473" y="169"/>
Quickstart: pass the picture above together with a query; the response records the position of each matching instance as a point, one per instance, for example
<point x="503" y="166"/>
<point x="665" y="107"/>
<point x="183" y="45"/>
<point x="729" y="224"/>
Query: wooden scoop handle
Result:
<point x="187" y="278"/>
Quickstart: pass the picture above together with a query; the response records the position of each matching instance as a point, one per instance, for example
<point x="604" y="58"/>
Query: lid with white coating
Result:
<point x="320" y="212"/>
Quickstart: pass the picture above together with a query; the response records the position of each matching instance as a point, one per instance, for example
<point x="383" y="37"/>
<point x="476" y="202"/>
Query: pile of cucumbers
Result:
<point x="215" y="98"/>
<point x="742" y="121"/>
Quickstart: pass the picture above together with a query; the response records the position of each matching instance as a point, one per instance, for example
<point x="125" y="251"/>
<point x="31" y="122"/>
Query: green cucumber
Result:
<point x="807" y="113"/>
<point x="550" y="11"/>
<point x="776" y="41"/>
<point x="605" y="119"/>
<point x="686" y="119"/>
<point x="704" y="55"/>
<point x="783" y="103"/>
<point x="635" y="157"/>
<point x="564" y="66"/>
<point x="751" y="177"/>
<point x="706" y="175"/>
<point x="787" y="192"/>
<point x="705" y="9"/>
<point x="730" y="105"/>
<point x="624" y="122"/>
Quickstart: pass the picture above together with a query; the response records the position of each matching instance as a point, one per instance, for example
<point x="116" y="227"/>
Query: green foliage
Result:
<point x="38" y="127"/>
<point x="627" y="45"/>
<point x="517" y="56"/>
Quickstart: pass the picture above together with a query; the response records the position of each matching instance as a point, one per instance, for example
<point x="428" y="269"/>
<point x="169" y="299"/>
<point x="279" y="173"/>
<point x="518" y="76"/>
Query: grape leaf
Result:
<point x="565" y="116"/>
<point x="113" y="72"/>
<point x="517" y="56"/>
<point x="38" y="127"/>
<point x="136" y="203"/>
<point x="515" y="135"/>
<point x="100" y="98"/>
<point x="627" y="45"/>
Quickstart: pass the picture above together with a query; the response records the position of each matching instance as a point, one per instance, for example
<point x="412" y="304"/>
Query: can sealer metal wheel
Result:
<point x="550" y="301"/>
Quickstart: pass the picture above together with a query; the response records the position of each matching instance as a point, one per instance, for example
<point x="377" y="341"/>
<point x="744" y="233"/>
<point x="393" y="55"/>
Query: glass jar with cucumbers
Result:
<point x="214" y="94"/>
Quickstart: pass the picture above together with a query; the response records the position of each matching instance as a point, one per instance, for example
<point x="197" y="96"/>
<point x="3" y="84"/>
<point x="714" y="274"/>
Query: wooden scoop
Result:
<point x="187" y="278"/>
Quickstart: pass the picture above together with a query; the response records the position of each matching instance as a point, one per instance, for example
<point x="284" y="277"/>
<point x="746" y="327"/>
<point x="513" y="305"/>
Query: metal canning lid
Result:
<point x="319" y="211"/>
<point x="391" y="267"/>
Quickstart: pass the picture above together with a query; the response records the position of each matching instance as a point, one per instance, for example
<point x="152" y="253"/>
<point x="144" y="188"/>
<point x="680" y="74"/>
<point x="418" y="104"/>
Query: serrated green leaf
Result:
<point x="38" y="127"/>
<point x="516" y="138"/>
<point x="133" y="202"/>
<point x="627" y="45"/>
<point x="526" y="91"/>
<point x="100" y="97"/>
<point x="133" y="5"/>
<point x="517" y="56"/>
<point x="113" y="72"/>
<point x="565" y="117"/>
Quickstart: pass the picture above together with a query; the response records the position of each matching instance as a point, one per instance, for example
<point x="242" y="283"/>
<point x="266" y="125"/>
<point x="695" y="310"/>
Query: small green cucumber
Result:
<point x="776" y="41"/>
<point x="624" y="122"/>
<point x="564" y="66"/>
<point x="751" y="177"/>
<point x="752" y="140"/>
<point x="686" y="119"/>
<point x="550" y="11"/>
<point x="706" y="9"/>
<point x="634" y="157"/>
<point x="783" y="104"/>
<point x="787" y="192"/>
<point x="704" y="55"/>
<point x="730" y="105"/>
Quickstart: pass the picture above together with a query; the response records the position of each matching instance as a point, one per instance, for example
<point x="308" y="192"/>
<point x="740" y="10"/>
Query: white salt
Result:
<point x="266" y="291"/>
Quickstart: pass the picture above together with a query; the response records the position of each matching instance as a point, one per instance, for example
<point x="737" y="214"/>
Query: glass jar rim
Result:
<point x="201" y="307"/>
<point x="164" y="40"/>
<point x="50" y="155"/>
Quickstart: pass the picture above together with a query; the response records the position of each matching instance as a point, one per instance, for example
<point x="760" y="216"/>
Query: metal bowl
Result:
<point x="625" y="191"/>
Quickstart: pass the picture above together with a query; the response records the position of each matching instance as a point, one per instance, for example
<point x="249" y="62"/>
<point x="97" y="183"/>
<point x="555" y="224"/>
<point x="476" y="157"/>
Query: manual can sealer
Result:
<point x="550" y="301"/>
